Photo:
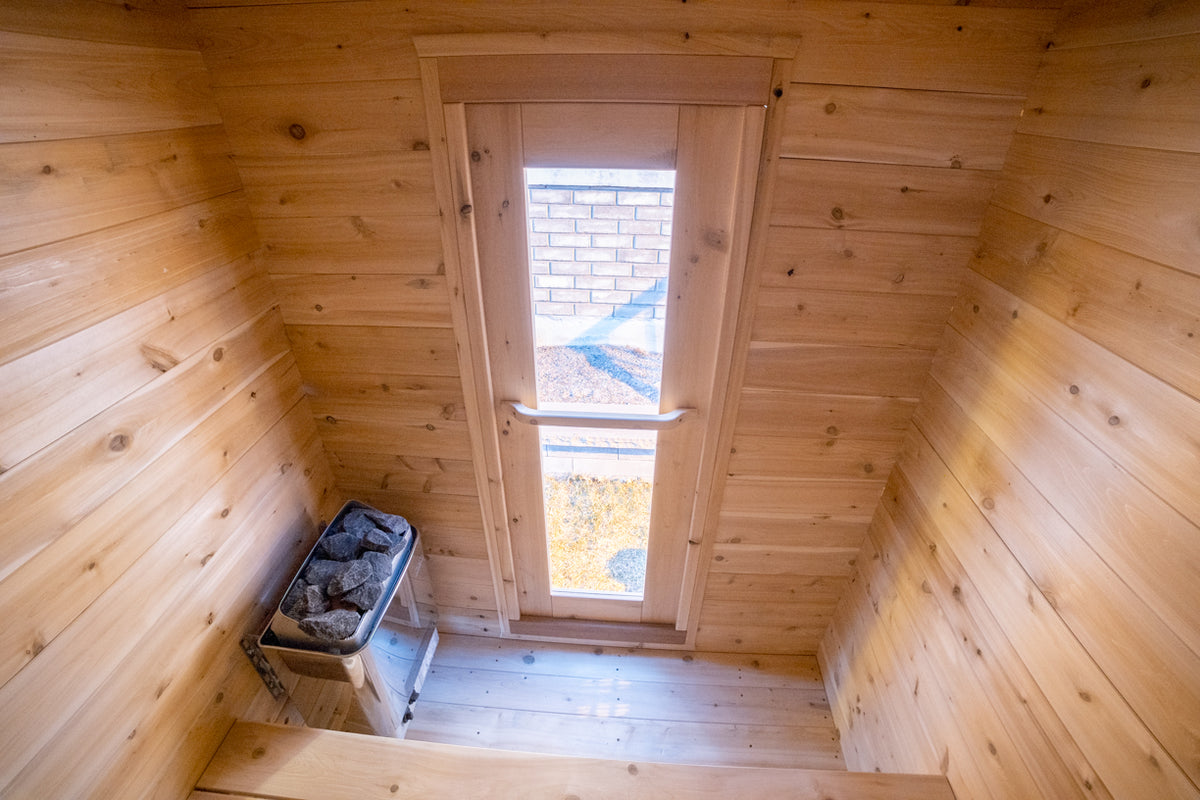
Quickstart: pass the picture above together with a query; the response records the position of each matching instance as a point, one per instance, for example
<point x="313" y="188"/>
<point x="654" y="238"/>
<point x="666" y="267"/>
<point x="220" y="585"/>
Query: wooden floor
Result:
<point x="643" y="705"/>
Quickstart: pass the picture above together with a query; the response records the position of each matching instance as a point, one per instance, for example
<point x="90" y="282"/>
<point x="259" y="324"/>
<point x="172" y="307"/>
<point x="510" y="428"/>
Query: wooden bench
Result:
<point x="258" y="760"/>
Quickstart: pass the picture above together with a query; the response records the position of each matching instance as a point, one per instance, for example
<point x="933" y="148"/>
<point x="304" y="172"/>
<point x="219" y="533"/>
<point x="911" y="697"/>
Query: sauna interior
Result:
<point x="952" y="427"/>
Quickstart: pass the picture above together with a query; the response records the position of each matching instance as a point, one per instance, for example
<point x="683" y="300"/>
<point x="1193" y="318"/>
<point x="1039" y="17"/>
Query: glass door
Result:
<point x="608" y="263"/>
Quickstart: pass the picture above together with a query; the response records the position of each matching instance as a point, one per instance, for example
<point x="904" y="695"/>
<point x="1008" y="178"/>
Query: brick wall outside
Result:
<point x="600" y="251"/>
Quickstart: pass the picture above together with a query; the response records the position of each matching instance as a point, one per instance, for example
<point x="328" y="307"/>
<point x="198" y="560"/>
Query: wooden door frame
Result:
<point x="744" y="74"/>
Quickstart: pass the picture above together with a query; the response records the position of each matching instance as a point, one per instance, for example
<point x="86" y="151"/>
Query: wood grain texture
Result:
<point x="943" y="82"/>
<point x="434" y="768"/>
<point x="155" y="428"/>
<point x="1136" y="200"/>
<point x="43" y="290"/>
<point x="58" y="189"/>
<point x="64" y="89"/>
<point x="1142" y="311"/>
<point x="899" y="126"/>
<point x="1035" y="528"/>
<point x="324" y="118"/>
<point x="1134" y="94"/>
<point x="880" y="197"/>
<point x="850" y="260"/>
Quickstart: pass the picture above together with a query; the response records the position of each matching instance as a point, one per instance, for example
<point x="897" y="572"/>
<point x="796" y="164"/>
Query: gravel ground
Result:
<point x="598" y="374"/>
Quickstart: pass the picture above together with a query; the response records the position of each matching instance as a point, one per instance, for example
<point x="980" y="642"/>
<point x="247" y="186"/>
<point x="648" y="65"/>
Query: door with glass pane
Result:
<point x="607" y="250"/>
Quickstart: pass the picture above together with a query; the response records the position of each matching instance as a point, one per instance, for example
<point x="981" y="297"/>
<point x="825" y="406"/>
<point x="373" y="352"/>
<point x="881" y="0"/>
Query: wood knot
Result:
<point x="989" y="503"/>
<point x="46" y="170"/>
<point x="778" y="92"/>
<point x="1146" y="82"/>
<point x="475" y="156"/>
<point x="258" y="752"/>
<point x="218" y="354"/>
<point x="118" y="442"/>
<point x="465" y="210"/>
<point x="837" y="213"/>
<point x="296" y="131"/>
<point x="832" y="430"/>
<point x="830" y="108"/>
<point x="1114" y="420"/>
<point x="1073" y="389"/>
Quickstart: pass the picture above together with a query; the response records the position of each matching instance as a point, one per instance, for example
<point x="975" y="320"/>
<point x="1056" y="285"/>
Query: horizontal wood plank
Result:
<point x="152" y="24"/>
<point x="772" y="412"/>
<point x="360" y="184"/>
<point x="367" y="244"/>
<point x="358" y="349"/>
<point x="59" y="189"/>
<point x="880" y="197"/>
<point x="845" y="497"/>
<point x="49" y="493"/>
<point x="873" y="319"/>
<point x="386" y="300"/>
<point x="115" y="269"/>
<point x="1136" y="200"/>
<point x="1147" y="313"/>
<point x="1116" y="510"/>
<point x="888" y="372"/>
<point x="961" y="48"/>
<point x="429" y="769"/>
<point x="67" y="88"/>
<point x="598" y="77"/>
<point x="341" y="118"/>
<point x="850" y="260"/>
<point x="898" y="126"/>
<point x="58" y="387"/>
<point x="1137" y="94"/>
<point x="797" y="457"/>
<point x="1133" y="418"/>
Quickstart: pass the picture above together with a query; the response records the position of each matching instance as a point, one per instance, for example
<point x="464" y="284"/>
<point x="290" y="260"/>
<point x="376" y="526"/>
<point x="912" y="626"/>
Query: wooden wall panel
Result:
<point x="925" y="101"/>
<point x="1041" y="519"/>
<point x="161" y="474"/>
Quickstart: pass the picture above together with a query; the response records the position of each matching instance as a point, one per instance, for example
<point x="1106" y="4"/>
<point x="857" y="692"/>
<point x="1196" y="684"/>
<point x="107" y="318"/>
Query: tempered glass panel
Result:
<point x="597" y="485"/>
<point x="600" y="245"/>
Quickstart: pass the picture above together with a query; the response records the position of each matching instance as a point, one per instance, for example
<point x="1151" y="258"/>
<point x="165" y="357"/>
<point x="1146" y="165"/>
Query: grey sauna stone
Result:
<point x="352" y="574"/>
<point x="321" y="570"/>
<point x="357" y="523"/>
<point x="365" y="596"/>
<point x="390" y="522"/>
<point x="381" y="564"/>
<point x="382" y="542"/>
<point x="294" y="598"/>
<point x="332" y="625"/>
<point x="315" y="601"/>
<point x="340" y="546"/>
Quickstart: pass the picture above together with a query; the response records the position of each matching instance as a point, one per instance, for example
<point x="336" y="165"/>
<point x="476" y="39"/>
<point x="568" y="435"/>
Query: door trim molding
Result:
<point x="452" y="183"/>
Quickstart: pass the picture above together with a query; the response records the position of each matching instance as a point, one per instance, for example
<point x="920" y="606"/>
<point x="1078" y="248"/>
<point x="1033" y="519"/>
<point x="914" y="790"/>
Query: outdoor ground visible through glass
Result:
<point x="599" y="257"/>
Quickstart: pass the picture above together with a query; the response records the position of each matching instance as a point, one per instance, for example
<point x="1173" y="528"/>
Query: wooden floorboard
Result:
<point x="621" y="703"/>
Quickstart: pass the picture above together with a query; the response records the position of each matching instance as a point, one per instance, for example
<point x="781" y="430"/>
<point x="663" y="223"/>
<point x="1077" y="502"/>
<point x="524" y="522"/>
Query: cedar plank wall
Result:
<point x="898" y="121"/>
<point x="1026" y="613"/>
<point x="159" y="468"/>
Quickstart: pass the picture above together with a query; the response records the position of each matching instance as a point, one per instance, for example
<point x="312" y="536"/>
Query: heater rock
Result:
<point x="340" y="546"/>
<point x="352" y="574"/>
<point x="320" y="571"/>
<point x="332" y="625"/>
<point x="293" y="600"/>
<point x="390" y="522"/>
<point x="382" y="542"/>
<point x="357" y="523"/>
<point x="315" y="601"/>
<point x="381" y="565"/>
<point x="364" y="596"/>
